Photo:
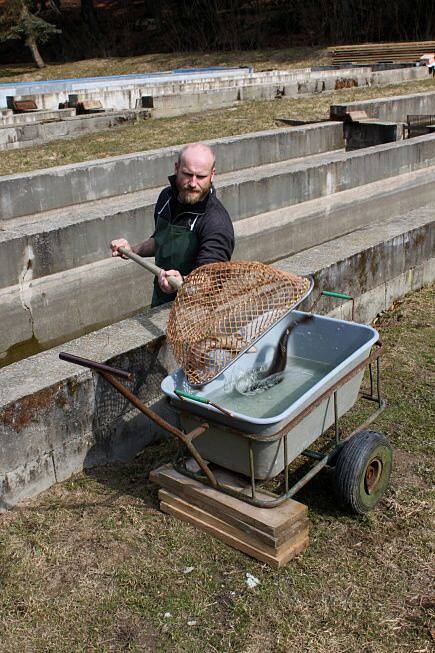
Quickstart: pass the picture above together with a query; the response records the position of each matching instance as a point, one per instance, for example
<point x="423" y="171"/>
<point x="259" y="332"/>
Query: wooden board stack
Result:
<point x="380" y="52"/>
<point x="272" y="535"/>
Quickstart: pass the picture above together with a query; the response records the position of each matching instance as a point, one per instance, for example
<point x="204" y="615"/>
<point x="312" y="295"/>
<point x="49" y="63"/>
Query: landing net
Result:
<point x="223" y="308"/>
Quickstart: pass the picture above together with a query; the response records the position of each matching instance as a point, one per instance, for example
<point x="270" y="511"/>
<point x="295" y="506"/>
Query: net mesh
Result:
<point x="222" y="308"/>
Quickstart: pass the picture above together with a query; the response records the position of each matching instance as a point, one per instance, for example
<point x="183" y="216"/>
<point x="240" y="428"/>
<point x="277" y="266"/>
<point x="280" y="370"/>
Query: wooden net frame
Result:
<point x="223" y="308"/>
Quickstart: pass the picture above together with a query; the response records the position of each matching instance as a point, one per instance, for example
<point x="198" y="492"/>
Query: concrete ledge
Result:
<point x="300" y="227"/>
<point x="37" y="133"/>
<point x="57" y="419"/>
<point x="394" y="108"/>
<point x="16" y="120"/>
<point x="71" y="302"/>
<point x="125" y="92"/>
<point x="62" y="239"/>
<point x="43" y="190"/>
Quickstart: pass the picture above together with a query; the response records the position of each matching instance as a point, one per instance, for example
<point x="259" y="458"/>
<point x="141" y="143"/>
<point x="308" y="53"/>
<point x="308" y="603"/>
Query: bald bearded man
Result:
<point x="192" y="227"/>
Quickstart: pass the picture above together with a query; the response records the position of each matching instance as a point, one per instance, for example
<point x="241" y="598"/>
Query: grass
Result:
<point x="155" y="133"/>
<point x="282" y="59"/>
<point x="92" y="565"/>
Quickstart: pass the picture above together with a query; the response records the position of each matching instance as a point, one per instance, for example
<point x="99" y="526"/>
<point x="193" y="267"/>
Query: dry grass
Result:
<point x="282" y="59"/>
<point x="247" y="117"/>
<point x="92" y="565"/>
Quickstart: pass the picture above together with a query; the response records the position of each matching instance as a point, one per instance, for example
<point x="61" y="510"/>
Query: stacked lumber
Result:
<point x="271" y="535"/>
<point x="380" y="52"/>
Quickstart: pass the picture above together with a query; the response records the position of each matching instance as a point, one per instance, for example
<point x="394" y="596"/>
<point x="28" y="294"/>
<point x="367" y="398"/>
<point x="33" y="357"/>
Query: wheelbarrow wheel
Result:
<point x="362" y="471"/>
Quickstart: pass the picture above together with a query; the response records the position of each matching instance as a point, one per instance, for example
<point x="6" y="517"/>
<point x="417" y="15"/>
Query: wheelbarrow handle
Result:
<point x="337" y="295"/>
<point x="151" y="267"/>
<point x="93" y="365"/>
<point x="108" y="374"/>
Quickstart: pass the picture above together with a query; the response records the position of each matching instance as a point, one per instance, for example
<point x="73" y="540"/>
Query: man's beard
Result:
<point x="186" y="196"/>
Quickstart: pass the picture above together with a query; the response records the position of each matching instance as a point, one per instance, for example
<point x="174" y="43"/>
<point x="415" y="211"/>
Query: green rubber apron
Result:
<point x="176" y="249"/>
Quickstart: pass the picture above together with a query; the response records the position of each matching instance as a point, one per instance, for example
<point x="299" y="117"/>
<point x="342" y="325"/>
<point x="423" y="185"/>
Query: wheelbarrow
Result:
<point x="330" y="356"/>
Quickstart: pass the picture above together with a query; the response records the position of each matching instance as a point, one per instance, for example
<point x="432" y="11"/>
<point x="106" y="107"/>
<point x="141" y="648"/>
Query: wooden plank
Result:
<point x="250" y="529"/>
<point x="368" y="46"/>
<point x="296" y="546"/>
<point x="375" y="52"/>
<point x="239" y="522"/>
<point x="272" y="521"/>
<point x="246" y="533"/>
<point x="269" y="520"/>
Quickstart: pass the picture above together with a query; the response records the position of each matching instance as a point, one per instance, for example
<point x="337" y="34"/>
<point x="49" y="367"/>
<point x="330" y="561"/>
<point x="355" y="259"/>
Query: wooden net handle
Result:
<point x="151" y="267"/>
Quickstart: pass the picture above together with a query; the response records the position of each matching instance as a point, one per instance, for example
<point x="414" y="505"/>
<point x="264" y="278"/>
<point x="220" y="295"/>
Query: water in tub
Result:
<point x="274" y="394"/>
<point x="311" y="353"/>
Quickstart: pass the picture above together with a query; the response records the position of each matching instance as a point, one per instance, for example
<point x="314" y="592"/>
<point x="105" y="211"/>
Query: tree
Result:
<point x="87" y="11"/>
<point x="22" y="19"/>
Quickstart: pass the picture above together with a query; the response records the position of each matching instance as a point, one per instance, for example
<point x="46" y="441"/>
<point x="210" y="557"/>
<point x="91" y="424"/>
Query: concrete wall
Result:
<point x="42" y="190"/>
<point x="77" y="236"/>
<point x="166" y="106"/>
<point x="393" y="109"/>
<point x="62" y="87"/>
<point x="60" y="292"/>
<point x="8" y="118"/>
<point x="127" y="94"/>
<point x="370" y="132"/>
<point x="56" y="419"/>
<point x="277" y="234"/>
<point x="28" y="135"/>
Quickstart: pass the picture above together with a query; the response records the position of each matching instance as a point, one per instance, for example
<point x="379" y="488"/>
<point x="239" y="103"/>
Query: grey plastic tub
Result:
<point x="332" y="347"/>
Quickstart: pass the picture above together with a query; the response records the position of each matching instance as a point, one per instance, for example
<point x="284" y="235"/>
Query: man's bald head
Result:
<point x="194" y="171"/>
<point x="199" y="152"/>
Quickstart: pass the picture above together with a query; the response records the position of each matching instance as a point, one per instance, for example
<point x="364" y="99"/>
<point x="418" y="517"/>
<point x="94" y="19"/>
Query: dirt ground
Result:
<point x="93" y="565"/>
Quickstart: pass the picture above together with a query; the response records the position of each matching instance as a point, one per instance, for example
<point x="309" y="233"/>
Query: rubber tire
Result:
<point x="350" y="470"/>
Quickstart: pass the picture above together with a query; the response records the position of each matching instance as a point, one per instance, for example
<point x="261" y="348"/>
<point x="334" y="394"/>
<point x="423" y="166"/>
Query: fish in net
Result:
<point x="221" y="310"/>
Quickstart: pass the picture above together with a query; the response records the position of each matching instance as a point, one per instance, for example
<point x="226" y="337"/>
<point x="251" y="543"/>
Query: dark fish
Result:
<point x="265" y="379"/>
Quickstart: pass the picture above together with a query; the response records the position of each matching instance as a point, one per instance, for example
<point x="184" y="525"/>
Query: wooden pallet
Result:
<point x="380" y="52"/>
<point x="272" y="535"/>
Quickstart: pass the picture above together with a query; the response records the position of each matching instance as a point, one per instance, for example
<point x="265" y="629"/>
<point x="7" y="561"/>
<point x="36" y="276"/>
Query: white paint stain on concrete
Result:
<point x="25" y="279"/>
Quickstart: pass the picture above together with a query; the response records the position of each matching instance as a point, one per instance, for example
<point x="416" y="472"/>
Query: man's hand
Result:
<point x="116" y="244"/>
<point x="163" y="280"/>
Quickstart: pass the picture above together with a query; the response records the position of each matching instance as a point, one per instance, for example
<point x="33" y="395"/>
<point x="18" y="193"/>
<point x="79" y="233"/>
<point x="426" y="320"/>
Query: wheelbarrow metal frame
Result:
<point x="208" y="477"/>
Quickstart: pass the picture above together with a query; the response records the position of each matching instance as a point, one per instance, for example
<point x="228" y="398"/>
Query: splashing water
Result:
<point x="253" y="382"/>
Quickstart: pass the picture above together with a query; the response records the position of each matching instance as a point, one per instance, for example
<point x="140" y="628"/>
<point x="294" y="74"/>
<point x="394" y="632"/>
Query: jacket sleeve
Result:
<point x="216" y="238"/>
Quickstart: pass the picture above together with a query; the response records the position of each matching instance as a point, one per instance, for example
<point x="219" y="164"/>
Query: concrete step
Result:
<point x="57" y="187"/>
<point x="37" y="313"/>
<point x="196" y="101"/>
<point x="65" y="238"/>
<point x="395" y="108"/>
<point x="61" y="239"/>
<point x="19" y="119"/>
<point x="274" y="235"/>
<point x="37" y="133"/>
<point x="57" y="418"/>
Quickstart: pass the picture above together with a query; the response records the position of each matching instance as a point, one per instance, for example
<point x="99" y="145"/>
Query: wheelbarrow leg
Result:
<point x="186" y="439"/>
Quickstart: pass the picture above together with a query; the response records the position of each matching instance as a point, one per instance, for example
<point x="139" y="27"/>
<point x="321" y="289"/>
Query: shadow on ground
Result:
<point x="132" y="479"/>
